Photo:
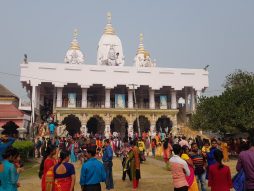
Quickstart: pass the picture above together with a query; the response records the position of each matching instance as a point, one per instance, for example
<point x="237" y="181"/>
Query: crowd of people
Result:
<point x="194" y="163"/>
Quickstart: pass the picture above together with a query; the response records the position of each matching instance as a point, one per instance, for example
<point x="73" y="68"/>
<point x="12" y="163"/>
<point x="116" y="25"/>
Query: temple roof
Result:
<point x="4" y="92"/>
<point x="10" y="111"/>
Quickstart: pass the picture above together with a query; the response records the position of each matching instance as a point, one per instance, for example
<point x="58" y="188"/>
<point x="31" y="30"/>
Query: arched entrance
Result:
<point x="164" y="124"/>
<point x="144" y="124"/>
<point x="10" y="128"/>
<point x="72" y="124"/>
<point x="95" y="125"/>
<point x="120" y="125"/>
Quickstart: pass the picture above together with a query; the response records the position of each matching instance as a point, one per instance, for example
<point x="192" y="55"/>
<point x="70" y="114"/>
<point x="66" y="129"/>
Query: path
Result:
<point x="154" y="177"/>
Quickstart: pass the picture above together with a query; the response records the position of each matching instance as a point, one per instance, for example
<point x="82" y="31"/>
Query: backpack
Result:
<point x="238" y="181"/>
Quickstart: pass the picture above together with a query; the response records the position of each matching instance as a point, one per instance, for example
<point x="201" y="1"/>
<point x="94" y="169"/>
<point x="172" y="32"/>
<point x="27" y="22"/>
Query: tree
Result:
<point x="230" y="112"/>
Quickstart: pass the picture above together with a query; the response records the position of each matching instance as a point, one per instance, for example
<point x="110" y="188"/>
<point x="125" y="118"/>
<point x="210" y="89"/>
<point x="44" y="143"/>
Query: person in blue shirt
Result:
<point x="52" y="129"/>
<point x="108" y="164"/>
<point x="92" y="172"/>
<point x="5" y="142"/>
<point x="10" y="174"/>
<point x="210" y="155"/>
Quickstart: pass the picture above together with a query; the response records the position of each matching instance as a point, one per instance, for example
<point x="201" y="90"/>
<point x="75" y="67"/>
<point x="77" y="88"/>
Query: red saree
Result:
<point x="62" y="184"/>
<point x="48" y="175"/>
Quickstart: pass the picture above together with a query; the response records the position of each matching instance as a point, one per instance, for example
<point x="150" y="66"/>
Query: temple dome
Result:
<point x="74" y="54"/>
<point x="110" y="51"/>
<point x="142" y="58"/>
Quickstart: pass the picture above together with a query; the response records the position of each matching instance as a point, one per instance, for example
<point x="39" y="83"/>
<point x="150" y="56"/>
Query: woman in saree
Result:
<point x="46" y="169"/>
<point x="72" y="149"/>
<point x="167" y="151"/>
<point x="134" y="163"/>
<point x="64" y="173"/>
<point x="193" y="186"/>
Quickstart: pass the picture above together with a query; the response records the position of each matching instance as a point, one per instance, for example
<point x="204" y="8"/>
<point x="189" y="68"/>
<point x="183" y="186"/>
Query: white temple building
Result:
<point x="108" y="96"/>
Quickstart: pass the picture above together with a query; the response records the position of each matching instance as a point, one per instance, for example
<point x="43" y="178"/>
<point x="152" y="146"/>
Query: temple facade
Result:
<point x="108" y="96"/>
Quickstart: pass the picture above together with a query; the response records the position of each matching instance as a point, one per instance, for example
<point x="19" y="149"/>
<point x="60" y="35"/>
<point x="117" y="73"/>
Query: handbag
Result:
<point x="239" y="181"/>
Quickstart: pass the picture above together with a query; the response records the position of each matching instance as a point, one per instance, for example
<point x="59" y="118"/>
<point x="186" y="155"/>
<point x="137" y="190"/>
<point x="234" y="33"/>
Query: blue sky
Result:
<point x="185" y="34"/>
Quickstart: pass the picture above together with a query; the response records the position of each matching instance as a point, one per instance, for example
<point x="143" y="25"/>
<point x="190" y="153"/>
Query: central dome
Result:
<point x="110" y="50"/>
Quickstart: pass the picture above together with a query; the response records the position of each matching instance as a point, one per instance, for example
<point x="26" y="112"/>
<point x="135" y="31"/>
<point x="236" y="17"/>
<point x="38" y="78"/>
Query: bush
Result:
<point x="24" y="148"/>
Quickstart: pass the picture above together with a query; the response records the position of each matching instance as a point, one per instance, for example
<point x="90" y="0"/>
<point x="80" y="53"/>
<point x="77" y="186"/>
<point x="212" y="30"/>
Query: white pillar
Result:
<point x="173" y="100"/>
<point x="33" y="102"/>
<point x="59" y="97"/>
<point x="84" y="129"/>
<point x="107" y="98"/>
<point x="130" y="99"/>
<point x="107" y="131"/>
<point x="193" y="100"/>
<point x="198" y="95"/>
<point x="84" y="98"/>
<point x="38" y="93"/>
<point x="130" y="130"/>
<point x="151" y="99"/>
<point x="186" y="101"/>
<point x="152" y="130"/>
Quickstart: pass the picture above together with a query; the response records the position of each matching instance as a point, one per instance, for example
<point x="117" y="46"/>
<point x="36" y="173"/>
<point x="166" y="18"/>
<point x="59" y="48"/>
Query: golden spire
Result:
<point x="109" y="29"/>
<point x="141" y="49"/>
<point x="74" y="43"/>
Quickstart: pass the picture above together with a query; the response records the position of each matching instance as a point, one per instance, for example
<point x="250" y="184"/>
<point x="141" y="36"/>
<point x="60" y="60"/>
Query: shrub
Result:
<point x="24" y="147"/>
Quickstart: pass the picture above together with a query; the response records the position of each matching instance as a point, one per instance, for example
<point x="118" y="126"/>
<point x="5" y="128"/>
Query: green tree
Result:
<point x="230" y="112"/>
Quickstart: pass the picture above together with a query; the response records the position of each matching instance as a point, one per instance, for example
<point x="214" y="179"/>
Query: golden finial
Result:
<point x="141" y="37"/>
<point x="109" y="29"/>
<point x="141" y="49"/>
<point x="109" y="17"/>
<point x="74" y="43"/>
<point x="75" y="33"/>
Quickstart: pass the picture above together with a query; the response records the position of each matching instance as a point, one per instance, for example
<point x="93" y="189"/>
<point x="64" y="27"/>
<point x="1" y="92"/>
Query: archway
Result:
<point x="164" y="124"/>
<point x="120" y="125"/>
<point x="95" y="125"/>
<point x="72" y="124"/>
<point x="10" y="128"/>
<point x="144" y="124"/>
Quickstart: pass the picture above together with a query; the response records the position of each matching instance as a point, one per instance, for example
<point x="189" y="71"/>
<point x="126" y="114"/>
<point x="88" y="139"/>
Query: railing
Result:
<point x="101" y="104"/>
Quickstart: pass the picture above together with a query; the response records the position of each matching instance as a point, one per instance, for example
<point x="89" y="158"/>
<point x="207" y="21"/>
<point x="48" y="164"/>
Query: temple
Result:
<point x="108" y="96"/>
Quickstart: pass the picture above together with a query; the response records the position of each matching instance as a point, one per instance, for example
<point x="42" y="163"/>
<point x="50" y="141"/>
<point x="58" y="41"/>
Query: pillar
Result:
<point x="33" y="102"/>
<point x="59" y="96"/>
<point x="107" y="98"/>
<point x="173" y="100"/>
<point x="193" y="100"/>
<point x="198" y="95"/>
<point x="84" y="129"/>
<point x="107" y="131"/>
<point x="151" y="99"/>
<point x="84" y="98"/>
<point x="152" y="130"/>
<point x="130" y="99"/>
<point x="130" y="130"/>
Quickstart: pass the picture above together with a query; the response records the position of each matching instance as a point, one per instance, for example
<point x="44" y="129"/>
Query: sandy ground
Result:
<point x="154" y="177"/>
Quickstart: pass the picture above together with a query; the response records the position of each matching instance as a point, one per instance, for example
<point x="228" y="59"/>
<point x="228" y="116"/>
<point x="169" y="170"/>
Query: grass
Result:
<point x="31" y="169"/>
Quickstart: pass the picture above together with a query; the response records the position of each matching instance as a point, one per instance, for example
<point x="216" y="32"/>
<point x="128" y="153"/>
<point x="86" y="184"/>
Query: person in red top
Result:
<point x="219" y="178"/>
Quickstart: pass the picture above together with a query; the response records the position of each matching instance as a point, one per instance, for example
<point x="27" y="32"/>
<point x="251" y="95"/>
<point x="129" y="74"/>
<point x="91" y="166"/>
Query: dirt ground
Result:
<point x="154" y="177"/>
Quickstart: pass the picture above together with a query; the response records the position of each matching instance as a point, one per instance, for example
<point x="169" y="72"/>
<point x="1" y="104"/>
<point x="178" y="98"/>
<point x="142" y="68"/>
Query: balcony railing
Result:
<point x="101" y="104"/>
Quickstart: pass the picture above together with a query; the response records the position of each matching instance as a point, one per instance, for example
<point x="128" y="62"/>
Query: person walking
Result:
<point x="199" y="163"/>
<point x="108" y="164"/>
<point x="191" y="179"/>
<point x="64" y="173"/>
<point x="246" y="163"/>
<point x="134" y="160"/>
<point x="179" y="169"/>
<point x="92" y="172"/>
<point x="219" y="178"/>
